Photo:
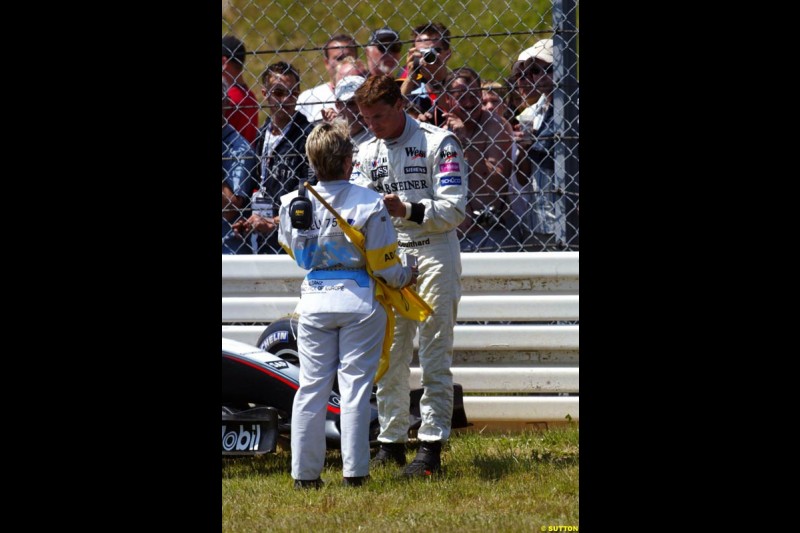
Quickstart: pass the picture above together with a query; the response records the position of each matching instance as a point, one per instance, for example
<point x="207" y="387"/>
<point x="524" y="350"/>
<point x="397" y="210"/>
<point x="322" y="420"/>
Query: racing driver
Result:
<point x="421" y="172"/>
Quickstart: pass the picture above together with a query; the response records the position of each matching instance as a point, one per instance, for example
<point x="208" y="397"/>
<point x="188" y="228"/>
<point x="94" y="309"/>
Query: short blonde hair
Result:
<point x="327" y="147"/>
<point x="494" y="87"/>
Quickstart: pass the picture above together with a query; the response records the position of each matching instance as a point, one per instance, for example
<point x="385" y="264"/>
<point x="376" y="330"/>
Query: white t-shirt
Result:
<point x="312" y="101"/>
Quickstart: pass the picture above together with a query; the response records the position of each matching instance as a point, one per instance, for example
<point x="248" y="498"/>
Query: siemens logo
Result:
<point x="415" y="170"/>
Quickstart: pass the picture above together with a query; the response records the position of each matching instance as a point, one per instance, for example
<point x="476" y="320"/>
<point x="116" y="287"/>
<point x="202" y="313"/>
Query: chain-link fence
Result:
<point x="523" y="182"/>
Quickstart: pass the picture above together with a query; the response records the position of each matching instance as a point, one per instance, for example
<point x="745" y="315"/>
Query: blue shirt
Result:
<point x="239" y="171"/>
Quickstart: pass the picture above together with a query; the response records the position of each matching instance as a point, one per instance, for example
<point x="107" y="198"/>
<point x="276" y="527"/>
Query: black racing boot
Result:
<point x="308" y="483"/>
<point x="355" y="481"/>
<point x="390" y="452"/>
<point x="427" y="461"/>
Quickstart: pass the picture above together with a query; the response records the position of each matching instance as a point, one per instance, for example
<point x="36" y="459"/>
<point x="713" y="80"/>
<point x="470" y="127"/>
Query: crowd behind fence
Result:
<point x="515" y="60"/>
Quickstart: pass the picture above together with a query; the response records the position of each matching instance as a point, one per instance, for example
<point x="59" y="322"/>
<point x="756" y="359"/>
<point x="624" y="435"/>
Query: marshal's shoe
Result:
<point x="390" y="452"/>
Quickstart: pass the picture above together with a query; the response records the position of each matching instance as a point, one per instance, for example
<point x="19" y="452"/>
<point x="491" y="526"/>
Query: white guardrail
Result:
<point x="537" y="363"/>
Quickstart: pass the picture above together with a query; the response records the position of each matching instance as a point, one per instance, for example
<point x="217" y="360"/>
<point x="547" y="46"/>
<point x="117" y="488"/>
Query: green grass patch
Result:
<point x="491" y="482"/>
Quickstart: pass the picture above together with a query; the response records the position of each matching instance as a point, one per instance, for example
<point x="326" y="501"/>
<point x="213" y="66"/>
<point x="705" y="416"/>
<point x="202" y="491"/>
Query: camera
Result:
<point x="429" y="55"/>
<point x="487" y="217"/>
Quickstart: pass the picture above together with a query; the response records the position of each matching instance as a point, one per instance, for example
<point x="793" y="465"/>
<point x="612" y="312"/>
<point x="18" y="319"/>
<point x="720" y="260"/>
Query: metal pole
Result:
<point x="565" y="114"/>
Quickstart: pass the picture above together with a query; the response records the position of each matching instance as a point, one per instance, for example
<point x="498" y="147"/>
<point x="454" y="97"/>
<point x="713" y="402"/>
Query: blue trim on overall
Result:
<point x="359" y="276"/>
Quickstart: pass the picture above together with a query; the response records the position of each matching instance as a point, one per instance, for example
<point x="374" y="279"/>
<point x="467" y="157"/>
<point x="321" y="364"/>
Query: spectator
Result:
<point x="494" y="97"/>
<point x="347" y="110"/>
<point x="420" y="170"/>
<point x="421" y="80"/>
<point x="281" y="146"/>
<point x="545" y="221"/>
<point x="486" y="139"/>
<point x="348" y="67"/>
<point x="341" y="327"/>
<point x="243" y="112"/>
<point x="383" y="52"/>
<point x="500" y="100"/>
<point x="312" y="101"/>
<point x="239" y="164"/>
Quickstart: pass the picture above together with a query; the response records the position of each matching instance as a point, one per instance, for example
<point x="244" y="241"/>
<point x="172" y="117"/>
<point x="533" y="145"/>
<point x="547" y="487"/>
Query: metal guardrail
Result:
<point x="524" y="371"/>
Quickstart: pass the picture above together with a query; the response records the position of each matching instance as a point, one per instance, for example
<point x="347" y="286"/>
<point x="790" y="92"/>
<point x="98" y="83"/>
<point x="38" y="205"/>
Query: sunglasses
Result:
<point x="536" y="69"/>
<point x="533" y="68"/>
<point x="278" y="92"/>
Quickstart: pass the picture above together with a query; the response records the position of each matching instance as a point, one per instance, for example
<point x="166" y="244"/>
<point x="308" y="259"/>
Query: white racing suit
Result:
<point x="426" y="168"/>
<point x="341" y="325"/>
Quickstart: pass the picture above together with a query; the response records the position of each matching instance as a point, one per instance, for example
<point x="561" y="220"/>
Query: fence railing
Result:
<point x="516" y="340"/>
<point x="528" y="201"/>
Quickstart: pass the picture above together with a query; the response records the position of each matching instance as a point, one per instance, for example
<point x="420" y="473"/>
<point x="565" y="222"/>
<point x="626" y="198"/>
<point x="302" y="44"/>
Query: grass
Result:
<point x="492" y="482"/>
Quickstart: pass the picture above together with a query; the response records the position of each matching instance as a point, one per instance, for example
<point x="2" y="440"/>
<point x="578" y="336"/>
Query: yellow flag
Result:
<point x="405" y="301"/>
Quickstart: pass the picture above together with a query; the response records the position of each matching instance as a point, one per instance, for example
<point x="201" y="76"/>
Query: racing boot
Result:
<point x="355" y="481"/>
<point x="427" y="461"/>
<point x="308" y="483"/>
<point x="390" y="452"/>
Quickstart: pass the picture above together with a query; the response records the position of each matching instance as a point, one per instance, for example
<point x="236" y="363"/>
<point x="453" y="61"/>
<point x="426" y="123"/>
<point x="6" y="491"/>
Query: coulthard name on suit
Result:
<point x="409" y="244"/>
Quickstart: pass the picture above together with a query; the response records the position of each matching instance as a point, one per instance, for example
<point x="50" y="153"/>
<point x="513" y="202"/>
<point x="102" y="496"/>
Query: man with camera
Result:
<point x="426" y="71"/>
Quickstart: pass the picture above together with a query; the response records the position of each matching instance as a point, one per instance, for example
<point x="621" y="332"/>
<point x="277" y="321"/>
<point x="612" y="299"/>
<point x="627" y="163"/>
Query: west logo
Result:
<point x="414" y="153"/>
<point x="446" y="154"/>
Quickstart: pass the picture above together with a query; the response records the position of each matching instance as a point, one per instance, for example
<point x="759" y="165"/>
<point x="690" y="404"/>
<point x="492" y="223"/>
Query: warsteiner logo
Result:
<point x="241" y="439"/>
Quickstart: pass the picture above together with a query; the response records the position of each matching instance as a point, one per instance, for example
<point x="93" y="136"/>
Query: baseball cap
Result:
<point x="542" y="50"/>
<point x="347" y="86"/>
<point x="385" y="38"/>
<point x="233" y="47"/>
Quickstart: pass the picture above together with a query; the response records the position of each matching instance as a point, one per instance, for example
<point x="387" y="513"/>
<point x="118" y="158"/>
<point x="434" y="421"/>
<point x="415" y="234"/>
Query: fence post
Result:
<point x="565" y="113"/>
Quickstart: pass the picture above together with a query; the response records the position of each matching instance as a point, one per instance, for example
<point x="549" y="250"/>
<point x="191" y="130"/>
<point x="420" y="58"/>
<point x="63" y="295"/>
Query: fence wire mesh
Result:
<point x="526" y="200"/>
